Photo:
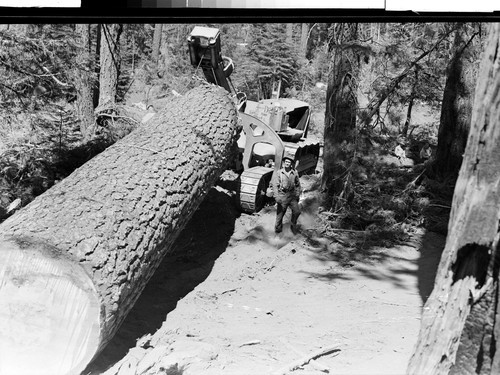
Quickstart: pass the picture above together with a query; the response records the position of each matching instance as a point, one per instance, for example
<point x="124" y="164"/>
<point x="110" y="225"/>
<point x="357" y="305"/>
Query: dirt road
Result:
<point x="235" y="299"/>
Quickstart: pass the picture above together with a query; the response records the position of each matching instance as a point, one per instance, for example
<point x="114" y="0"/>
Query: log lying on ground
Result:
<point x="74" y="261"/>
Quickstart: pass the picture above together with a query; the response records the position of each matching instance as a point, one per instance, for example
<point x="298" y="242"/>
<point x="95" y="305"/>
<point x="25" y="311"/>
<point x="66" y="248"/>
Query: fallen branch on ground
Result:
<point x="346" y="230"/>
<point x="271" y="265"/>
<point x="253" y="342"/>
<point x="305" y="360"/>
<point x="318" y="365"/>
<point x="439" y="205"/>
<point x="118" y="116"/>
<point x="230" y="290"/>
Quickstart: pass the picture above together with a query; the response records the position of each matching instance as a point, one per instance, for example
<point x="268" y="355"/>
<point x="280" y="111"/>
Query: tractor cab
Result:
<point x="205" y="53"/>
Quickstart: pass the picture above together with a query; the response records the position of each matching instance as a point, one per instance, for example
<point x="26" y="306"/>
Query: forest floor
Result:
<point x="234" y="298"/>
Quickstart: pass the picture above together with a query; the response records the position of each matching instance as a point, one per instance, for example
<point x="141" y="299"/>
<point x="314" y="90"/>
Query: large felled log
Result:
<point x="74" y="261"/>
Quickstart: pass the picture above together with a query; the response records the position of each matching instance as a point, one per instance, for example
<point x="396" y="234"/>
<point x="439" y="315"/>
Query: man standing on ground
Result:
<point x="286" y="189"/>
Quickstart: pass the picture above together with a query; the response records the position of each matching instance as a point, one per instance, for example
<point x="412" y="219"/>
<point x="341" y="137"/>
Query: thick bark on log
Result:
<point x="461" y="324"/>
<point x="74" y="261"/>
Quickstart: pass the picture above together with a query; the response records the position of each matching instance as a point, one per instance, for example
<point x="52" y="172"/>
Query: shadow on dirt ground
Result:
<point x="419" y="257"/>
<point x="431" y="248"/>
<point x="342" y="251"/>
<point x="187" y="265"/>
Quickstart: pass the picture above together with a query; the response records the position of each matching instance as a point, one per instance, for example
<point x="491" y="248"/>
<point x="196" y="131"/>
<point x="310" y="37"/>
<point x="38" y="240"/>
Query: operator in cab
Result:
<point x="286" y="191"/>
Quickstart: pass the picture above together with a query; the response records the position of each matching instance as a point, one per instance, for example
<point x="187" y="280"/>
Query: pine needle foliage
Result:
<point x="273" y="59"/>
<point x="36" y="64"/>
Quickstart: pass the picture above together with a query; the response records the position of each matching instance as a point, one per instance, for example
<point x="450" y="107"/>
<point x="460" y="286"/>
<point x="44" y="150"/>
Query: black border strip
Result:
<point x="123" y="14"/>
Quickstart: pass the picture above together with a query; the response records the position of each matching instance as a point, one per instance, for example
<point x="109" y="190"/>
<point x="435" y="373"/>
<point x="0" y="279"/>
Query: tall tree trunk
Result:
<point x="456" y="107"/>
<point x="74" y="261"/>
<point x="164" y="57"/>
<point x="304" y="36"/>
<point x="461" y="320"/>
<point x="83" y="81"/>
<point x="340" y="115"/>
<point x="407" y="123"/>
<point x="157" y="43"/>
<point x="289" y="33"/>
<point x="109" y="65"/>
<point x="98" y="63"/>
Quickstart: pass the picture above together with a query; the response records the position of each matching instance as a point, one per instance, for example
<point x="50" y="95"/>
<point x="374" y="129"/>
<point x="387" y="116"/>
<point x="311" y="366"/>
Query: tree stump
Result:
<point x="74" y="261"/>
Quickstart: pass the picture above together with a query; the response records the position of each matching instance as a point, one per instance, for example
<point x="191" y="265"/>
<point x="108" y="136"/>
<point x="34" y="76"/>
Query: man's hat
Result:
<point x="289" y="156"/>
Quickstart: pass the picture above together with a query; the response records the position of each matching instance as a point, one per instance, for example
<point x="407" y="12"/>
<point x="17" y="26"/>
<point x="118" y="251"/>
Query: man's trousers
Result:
<point x="282" y="206"/>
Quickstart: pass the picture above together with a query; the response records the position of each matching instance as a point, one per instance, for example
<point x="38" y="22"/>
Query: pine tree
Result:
<point x="457" y="102"/>
<point x="273" y="58"/>
<point x="340" y="116"/>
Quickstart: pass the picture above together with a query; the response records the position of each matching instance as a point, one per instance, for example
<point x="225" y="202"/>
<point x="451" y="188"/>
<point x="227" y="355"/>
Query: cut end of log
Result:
<point x="49" y="311"/>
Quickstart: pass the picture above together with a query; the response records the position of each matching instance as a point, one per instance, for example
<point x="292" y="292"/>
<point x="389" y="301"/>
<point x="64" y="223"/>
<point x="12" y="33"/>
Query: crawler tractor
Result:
<point x="271" y="127"/>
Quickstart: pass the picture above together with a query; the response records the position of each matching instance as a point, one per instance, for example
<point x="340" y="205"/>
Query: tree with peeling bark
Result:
<point x="456" y="107"/>
<point x="75" y="260"/>
<point x="461" y="324"/>
<point x="340" y="115"/>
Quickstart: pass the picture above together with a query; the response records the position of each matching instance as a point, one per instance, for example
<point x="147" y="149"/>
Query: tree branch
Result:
<point x="54" y="77"/>
<point x="19" y="95"/>
<point x="467" y="44"/>
<point x="6" y="64"/>
<point x="376" y="102"/>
